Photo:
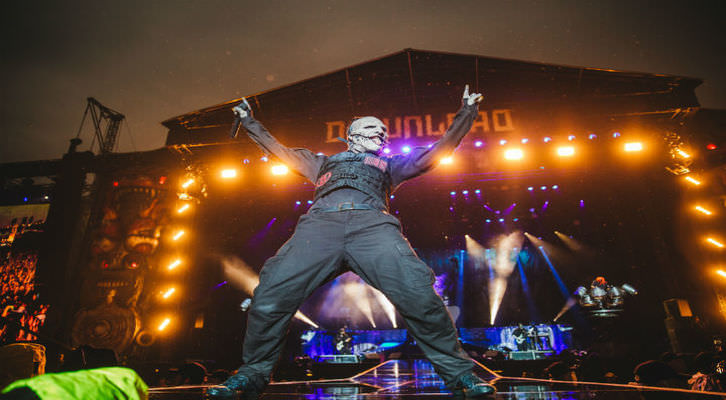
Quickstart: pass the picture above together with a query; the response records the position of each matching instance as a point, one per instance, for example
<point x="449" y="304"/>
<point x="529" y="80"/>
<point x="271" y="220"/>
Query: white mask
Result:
<point x="367" y="135"/>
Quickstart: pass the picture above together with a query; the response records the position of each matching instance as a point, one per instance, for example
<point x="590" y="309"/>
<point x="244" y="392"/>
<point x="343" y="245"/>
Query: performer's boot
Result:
<point x="471" y="386"/>
<point x="230" y="388"/>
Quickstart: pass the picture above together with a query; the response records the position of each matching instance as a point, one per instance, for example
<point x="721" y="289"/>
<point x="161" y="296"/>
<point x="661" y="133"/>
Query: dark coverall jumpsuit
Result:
<point x="369" y="242"/>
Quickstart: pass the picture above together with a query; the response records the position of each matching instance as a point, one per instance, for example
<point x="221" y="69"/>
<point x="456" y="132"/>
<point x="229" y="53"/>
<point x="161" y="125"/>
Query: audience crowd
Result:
<point x="705" y="371"/>
<point x="19" y="301"/>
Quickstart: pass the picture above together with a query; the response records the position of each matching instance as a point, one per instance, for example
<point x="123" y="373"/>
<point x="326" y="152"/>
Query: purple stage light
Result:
<point x="386" y="150"/>
<point x="453" y="193"/>
<point x="246" y="161"/>
<point x="465" y="192"/>
<point x="406" y="149"/>
<point x="616" y="134"/>
<point x="530" y="188"/>
<point x="531" y="209"/>
<point x="488" y="208"/>
<point x="501" y="219"/>
<point x="298" y="202"/>
<point x="582" y="203"/>
<point x="543" y="187"/>
<point x="592" y="136"/>
<point x="555" y="187"/>
<point x="393" y="197"/>
<point x="477" y="191"/>
<point x="440" y="284"/>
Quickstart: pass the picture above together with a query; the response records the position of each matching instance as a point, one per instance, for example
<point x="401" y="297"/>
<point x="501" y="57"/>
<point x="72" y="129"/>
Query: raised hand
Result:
<point x="242" y="109"/>
<point x="470" y="99"/>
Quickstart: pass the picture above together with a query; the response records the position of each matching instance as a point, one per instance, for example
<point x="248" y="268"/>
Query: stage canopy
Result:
<point x="415" y="92"/>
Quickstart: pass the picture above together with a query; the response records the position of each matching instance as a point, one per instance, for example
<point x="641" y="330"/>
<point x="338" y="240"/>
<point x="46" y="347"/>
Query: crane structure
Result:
<point x="99" y="115"/>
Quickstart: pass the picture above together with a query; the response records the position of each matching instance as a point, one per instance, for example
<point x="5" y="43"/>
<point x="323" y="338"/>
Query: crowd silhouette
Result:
<point x="20" y="305"/>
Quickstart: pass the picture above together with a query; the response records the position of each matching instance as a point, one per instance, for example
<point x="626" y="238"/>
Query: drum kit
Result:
<point x="604" y="300"/>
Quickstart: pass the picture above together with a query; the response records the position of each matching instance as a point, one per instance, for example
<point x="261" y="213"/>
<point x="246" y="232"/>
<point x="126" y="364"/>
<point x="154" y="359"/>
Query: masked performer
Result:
<point x="349" y="227"/>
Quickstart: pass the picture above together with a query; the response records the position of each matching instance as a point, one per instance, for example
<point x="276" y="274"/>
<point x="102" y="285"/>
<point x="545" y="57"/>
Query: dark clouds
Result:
<point x="152" y="60"/>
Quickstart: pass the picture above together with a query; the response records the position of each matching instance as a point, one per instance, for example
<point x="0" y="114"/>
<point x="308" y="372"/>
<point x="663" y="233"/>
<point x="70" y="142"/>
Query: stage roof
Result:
<point x="414" y="90"/>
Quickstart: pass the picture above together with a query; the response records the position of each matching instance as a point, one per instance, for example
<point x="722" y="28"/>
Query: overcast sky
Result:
<point x="152" y="60"/>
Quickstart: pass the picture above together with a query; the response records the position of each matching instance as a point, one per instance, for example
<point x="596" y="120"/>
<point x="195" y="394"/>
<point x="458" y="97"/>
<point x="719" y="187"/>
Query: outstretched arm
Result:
<point x="423" y="159"/>
<point x="303" y="161"/>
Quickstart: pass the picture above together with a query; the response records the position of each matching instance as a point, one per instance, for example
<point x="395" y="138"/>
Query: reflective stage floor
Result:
<point x="414" y="379"/>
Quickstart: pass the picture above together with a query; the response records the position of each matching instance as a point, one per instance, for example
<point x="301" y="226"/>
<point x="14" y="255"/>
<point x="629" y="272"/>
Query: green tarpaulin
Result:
<point x="99" y="384"/>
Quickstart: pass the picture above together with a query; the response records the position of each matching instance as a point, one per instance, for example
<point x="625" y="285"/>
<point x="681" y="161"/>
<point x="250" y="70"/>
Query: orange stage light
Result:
<point x="229" y="173"/>
<point x="178" y="234"/>
<point x="174" y="264"/>
<point x="633" y="146"/>
<point x="279" y="169"/>
<point x="692" y="180"/>
<point x="703" y="210"/>
<point x="566" y="151"/>
<point x="164" y="324"/>
<point x="683" y="153"/>
<point x="513" y="154"/>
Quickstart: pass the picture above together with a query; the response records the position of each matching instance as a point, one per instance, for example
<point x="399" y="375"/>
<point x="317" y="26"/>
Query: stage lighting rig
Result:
<point x="192" y="187"/>
<point x="681" y="160"/>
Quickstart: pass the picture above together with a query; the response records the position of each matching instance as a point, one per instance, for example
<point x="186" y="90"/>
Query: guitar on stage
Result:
<point x="343" y="342"/>
<point x="522" y="337"/>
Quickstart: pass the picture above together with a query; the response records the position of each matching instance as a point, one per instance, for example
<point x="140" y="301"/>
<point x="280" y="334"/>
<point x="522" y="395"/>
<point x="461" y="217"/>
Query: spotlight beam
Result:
<point x="241" y="276"/>
<point x="573" y="244"/>
<point x="387" y="306"/>
<point x="568" y="304"/>
<point x="533" y="313"/>
<point x="356" y="292"/>
<point x="560" y="283"/>
<point x="501" y="265"/>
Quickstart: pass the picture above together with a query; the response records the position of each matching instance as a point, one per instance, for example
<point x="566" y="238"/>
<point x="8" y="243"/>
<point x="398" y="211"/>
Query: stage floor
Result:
<point x="412" y="379"/>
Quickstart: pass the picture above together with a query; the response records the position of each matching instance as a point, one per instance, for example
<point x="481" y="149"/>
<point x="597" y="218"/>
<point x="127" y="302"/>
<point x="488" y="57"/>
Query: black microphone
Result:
<point x="238" y="121"/>
<point x="235" y="127"/>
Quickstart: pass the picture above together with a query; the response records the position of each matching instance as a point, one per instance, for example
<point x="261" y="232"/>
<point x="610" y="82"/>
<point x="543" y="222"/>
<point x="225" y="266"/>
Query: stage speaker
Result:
<point x="522" y="355"/>
<point x="677" y="308"/>
<point x="87" y="357"/>
<point x="684" y="335"/>
<point x="340" y="359"/>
